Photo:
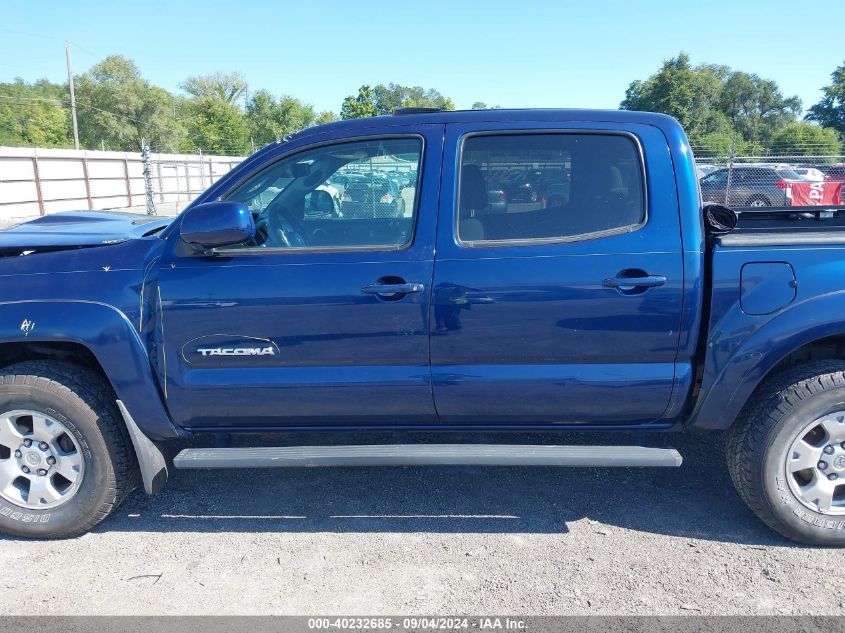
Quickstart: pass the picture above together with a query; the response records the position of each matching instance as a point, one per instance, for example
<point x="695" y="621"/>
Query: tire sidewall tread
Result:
<point x="85" y="403"/>
<point x="760" y="439"/>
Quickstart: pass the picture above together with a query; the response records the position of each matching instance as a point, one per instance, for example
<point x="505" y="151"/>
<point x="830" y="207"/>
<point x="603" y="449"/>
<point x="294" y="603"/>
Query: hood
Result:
<point x="78" y="229"/>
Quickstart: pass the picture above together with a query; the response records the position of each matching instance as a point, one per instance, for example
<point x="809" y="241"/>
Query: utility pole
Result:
<point x="72" y="96"/>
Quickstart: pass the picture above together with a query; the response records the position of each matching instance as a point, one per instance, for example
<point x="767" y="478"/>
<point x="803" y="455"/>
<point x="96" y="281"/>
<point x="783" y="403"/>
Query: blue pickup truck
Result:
<point x="302" y="293"/>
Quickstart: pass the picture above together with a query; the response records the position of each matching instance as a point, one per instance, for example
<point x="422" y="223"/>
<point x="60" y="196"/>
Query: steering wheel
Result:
<point x="261" y="231"/>
<point x="287" y="229"/>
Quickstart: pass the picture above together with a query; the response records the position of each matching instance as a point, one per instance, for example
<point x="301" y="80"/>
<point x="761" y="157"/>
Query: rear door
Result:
<point x="564" y="309"/>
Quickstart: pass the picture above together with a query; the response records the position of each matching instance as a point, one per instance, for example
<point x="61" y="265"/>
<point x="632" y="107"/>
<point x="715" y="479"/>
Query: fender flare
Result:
<point x="108" y="334"/>
<point x="729" y="382"/>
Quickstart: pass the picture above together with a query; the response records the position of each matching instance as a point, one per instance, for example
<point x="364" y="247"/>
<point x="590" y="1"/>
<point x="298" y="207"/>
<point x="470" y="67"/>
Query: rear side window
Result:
<point x="546" y="187"/>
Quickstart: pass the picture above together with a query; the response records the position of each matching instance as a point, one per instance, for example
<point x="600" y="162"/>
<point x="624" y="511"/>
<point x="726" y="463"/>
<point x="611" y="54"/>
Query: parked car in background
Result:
<point x="809" y="173"/>
<point x="703" y="169"/>
<point x="404" y="178"/>
<point x="534" y="185"/>
<point x="520" y="187"/>
<point x="372" y="197"/>
<point x="833" y="172"/>
<point x="557" y="195"/>
<point x="549" y="177"/>
<point x="497" y="201"/>
<point x="400" y="180"/>
<point x="749" y="186"/>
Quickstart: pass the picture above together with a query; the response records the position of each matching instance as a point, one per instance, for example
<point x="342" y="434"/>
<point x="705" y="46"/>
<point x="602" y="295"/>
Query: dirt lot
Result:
<point x="436" y="540"/>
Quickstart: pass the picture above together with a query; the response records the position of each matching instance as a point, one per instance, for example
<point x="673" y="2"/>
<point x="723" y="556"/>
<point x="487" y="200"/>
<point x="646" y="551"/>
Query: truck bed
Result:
<point x="787" y="227"/>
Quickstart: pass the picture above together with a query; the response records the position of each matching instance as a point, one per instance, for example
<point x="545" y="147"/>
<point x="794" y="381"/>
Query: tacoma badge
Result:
<point x="236" y="351"/>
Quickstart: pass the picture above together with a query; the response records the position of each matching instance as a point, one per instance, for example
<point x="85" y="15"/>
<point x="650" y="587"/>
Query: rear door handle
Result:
<point x="408" y="288"/>
<point x="649" y="281"/>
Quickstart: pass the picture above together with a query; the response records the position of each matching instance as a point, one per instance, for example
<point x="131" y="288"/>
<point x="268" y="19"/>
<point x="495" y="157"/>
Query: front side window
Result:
<point x="349" y="195"/>
<point x="548" y="186"/>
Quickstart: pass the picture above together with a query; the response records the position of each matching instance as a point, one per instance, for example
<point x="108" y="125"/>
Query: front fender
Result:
<point x="739" y="356"/>
<point x="108" y="334"/>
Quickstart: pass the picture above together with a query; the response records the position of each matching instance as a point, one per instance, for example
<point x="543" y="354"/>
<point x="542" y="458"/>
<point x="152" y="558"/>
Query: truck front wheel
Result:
<point x="66" y="460"/>
<point x="786" y="453"/>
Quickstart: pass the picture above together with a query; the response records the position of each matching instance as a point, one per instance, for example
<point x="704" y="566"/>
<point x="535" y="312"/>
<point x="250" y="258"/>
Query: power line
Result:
<point x="43" y="37"/>
<point x="54" y="38"/>
<point x="96" y="56"/>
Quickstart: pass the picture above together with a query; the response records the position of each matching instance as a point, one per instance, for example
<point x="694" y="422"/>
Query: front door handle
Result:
<point x="407" y="288"/>
<point x="647" y="281"/>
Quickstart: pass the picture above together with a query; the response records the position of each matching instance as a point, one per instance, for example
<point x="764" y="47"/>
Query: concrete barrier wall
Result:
<point x="39" y="181"/>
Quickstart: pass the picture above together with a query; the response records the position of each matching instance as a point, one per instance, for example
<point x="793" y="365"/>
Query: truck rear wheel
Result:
<point x="66" y="460"/>
<point x="786" y="453"/>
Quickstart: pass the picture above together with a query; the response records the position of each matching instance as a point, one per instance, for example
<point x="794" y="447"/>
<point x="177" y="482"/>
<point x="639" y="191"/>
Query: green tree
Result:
<point x="690" y="95"/>
<point x="226" y="86"/>
<point x="755" y="106"/>
<point x="215" y="126"/>
<point x="359" y="106"/>
<point x="479" y="105"/>
<point x="802" y="138"/>
<point x="384" y="99"/>
<point x="325" y="117"/>
<point x="117" y="108"/>
<point x="34" y="115"/>
<point x="716" y="105"/>
<point x="270" y="119"/>
<point x="830" y="111"/>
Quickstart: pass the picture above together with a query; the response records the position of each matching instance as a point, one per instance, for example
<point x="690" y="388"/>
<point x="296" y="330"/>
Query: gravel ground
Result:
<point x="430" y="540"/>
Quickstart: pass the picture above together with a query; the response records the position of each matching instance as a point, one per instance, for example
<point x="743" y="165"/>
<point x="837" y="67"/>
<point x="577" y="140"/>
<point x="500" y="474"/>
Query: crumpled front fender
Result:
<point x="108" y="334"/>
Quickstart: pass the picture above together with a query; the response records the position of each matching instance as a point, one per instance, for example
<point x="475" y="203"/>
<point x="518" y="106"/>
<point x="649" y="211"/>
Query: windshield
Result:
<point x="788" y="174"/>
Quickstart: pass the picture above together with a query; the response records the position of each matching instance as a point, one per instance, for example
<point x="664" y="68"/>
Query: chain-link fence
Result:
<point x="771" y="180"/>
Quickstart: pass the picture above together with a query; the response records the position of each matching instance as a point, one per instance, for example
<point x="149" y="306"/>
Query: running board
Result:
<point x="427" y="455"/>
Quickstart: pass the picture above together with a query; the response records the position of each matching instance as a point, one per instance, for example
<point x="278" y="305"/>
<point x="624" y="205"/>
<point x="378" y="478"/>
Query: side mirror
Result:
<point x="207" y="226"/>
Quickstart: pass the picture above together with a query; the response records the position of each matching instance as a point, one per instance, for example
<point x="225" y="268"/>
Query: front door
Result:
<point x="558" y="277"/>
<point x="323" y="318"/>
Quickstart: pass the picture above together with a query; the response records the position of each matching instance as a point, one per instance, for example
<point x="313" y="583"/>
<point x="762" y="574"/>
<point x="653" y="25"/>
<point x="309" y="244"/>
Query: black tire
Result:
<point x="85" y="404"/>
<point x="758" y="201"/>
<point x="760" y="440"/>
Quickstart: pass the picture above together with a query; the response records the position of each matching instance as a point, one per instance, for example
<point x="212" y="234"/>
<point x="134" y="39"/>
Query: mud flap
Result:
<point x="150" y="459"/>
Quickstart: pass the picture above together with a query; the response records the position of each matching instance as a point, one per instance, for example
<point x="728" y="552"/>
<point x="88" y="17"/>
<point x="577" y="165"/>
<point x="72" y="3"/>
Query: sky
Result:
<point x="510" y="53"/>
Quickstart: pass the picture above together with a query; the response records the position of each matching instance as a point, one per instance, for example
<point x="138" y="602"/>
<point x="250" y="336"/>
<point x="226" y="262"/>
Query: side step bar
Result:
<point x="426" y="455"/>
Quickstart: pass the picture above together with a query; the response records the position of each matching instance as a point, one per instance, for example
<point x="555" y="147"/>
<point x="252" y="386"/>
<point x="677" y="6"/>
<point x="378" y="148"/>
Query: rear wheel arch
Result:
<point x="826" y="348"/>
<point x="773" y="348"/>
